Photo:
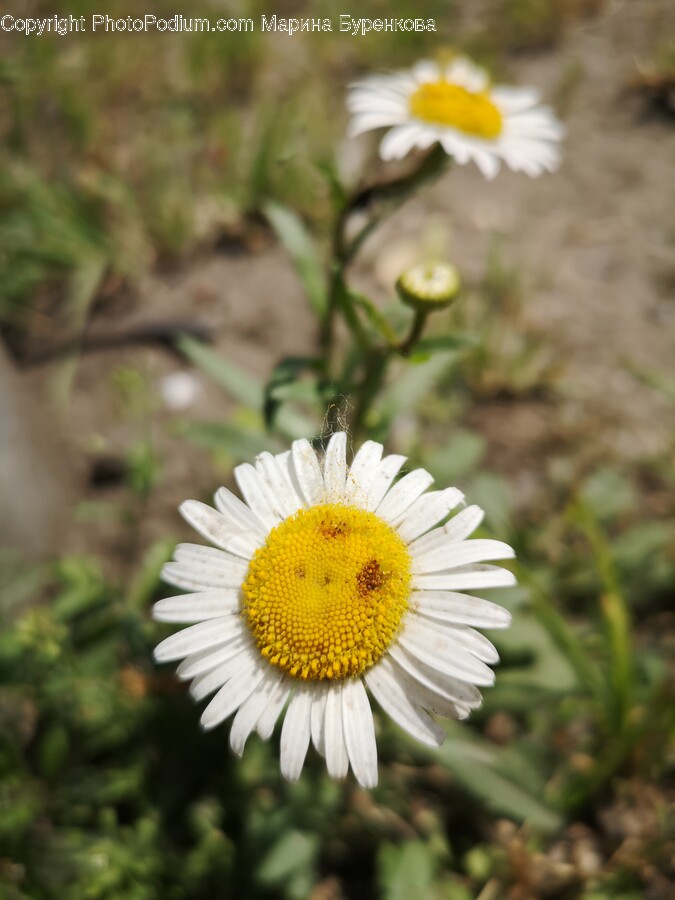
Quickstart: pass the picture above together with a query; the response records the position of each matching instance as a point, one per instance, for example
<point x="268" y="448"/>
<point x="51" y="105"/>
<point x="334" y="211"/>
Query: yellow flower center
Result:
<point x="442" y="103"/>
<point x="325" y="595"/>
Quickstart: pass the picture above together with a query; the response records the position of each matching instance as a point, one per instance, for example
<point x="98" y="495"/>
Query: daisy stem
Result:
<point x="376" y="367"/>
<point x="408" y="344"/>
<point x="377" y="200"/>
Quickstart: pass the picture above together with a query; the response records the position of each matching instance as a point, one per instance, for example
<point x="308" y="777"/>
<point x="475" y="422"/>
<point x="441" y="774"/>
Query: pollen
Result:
<point x="453" y="106"/>
<point x="325" y="595"/>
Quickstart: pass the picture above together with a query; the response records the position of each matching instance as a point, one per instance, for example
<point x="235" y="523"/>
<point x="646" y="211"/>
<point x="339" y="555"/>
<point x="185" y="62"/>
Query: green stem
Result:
<point x="407" y="345"/>
<point x="378" y="200"/>
<point x="376" y="367"/>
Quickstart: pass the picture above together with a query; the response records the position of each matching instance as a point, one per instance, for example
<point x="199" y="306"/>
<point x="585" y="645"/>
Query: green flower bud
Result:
<point x="429" y="286"/>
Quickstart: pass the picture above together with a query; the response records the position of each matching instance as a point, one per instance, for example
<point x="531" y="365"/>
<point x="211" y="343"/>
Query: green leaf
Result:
<point x="296" y="239"/>
<point x="478" y="766"/>
<point x="413" y="383"/>
<point x="547" y="667"/>
<point x="457" y="457"/>
<point x="286" y="374"/>
<point x="242" y="386"/>
<point x="146" y="581"/>
<point x="376" y="319"/>
<point x="294" y="852"/>
<point x="405" y="872"/>
<point x="437" y="342"/>
<point x="225" y="437"/>
<point x="608" y="493"/>
<point x="493" y="493"/>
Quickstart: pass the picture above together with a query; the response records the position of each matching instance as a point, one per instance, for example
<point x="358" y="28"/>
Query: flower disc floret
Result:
<point x="325" y="595"/>
<point x="453" y="106"/>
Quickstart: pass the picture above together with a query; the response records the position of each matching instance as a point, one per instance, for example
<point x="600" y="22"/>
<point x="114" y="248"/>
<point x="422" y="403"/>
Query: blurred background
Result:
<point x="136" y="176"/>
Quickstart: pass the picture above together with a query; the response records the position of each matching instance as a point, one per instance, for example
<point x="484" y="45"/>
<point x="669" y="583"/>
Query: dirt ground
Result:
<point x="593" y="242"/>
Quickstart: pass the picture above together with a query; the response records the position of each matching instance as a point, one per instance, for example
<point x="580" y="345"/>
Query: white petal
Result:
<point x="219" y="530"/>
<point x="403" y="494"/>
<point x="455" y="689"/>
<point x="285" y="461"/>
<point x="514" y="99"/>
<point x="472" y="640"/>
<point x="540" y="122"/>
<point x="204" y="660"/>
<point x="464" y="636"/>
<point x="386" y="689"/>
<point x="231" y="696"/>
<point x="463" y="72"/>
<point x="198" y="637"/>
<point x="399" y="141"/>
<point x="387" y="470"/>
<point x="282" y="495"/>
<point x="457" y="529"/>
<point x="444" y="654"/>
<point x="337" y="761"/>
<point x="426" y="71"/>
<point x="465" y="553"/>
<point x="240" y="517"/>
<point x="245" y="660"/>
<point x="465" y="579"/>
<point x="308" y="471"/>
<point x="426" y="512"/>
<point x="335" y="466"/>
<point x="486" y="161"/>
<point x="251" y="709"/>
<point x="196" y="607"/>
<point x="359" y="732"/>
<point x="196" y="576"/>
<point x="362" y="471"/>
<point x="464" y="523"/>
<point x="295" y="733"/>
<point x="446" y="606"/>
<point x="268" y="719"/>
<point x="363" y="122"/>
<point x="209" y="556"/>
<point x="318" y="718"/>
<point x="430" y="701"/>
<point x="254" y="491"/>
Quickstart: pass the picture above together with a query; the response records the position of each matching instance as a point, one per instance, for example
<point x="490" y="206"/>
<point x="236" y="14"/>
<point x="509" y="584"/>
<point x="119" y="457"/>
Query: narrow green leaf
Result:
<point x="412" y="384"/>
<point x="293" y="234"/>
<point x="146" y="581"/>
<point x="437" y="342"/>
<point x="224" y="437"/>
<point x="476" y="765"/>
<point x="285" y="374"/>
<point x="376" y="319"/>
<point x="242" y="386"/>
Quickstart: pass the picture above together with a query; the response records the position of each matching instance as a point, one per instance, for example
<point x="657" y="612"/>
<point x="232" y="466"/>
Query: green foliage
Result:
<point x="303" y="251"/>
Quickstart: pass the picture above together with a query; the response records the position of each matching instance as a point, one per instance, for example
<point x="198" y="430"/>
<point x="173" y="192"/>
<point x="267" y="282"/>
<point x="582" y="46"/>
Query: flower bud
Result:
<point x="429" y="286"/>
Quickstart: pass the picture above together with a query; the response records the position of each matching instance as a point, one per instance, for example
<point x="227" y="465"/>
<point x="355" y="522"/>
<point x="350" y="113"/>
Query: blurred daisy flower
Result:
<point x="327" y="582"/>
<point x="457" y="106"/>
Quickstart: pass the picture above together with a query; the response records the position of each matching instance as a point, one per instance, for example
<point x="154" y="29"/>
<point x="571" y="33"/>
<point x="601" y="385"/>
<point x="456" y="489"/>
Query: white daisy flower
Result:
<point x="457" y="106"/>
<point x="329" y="580"/>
